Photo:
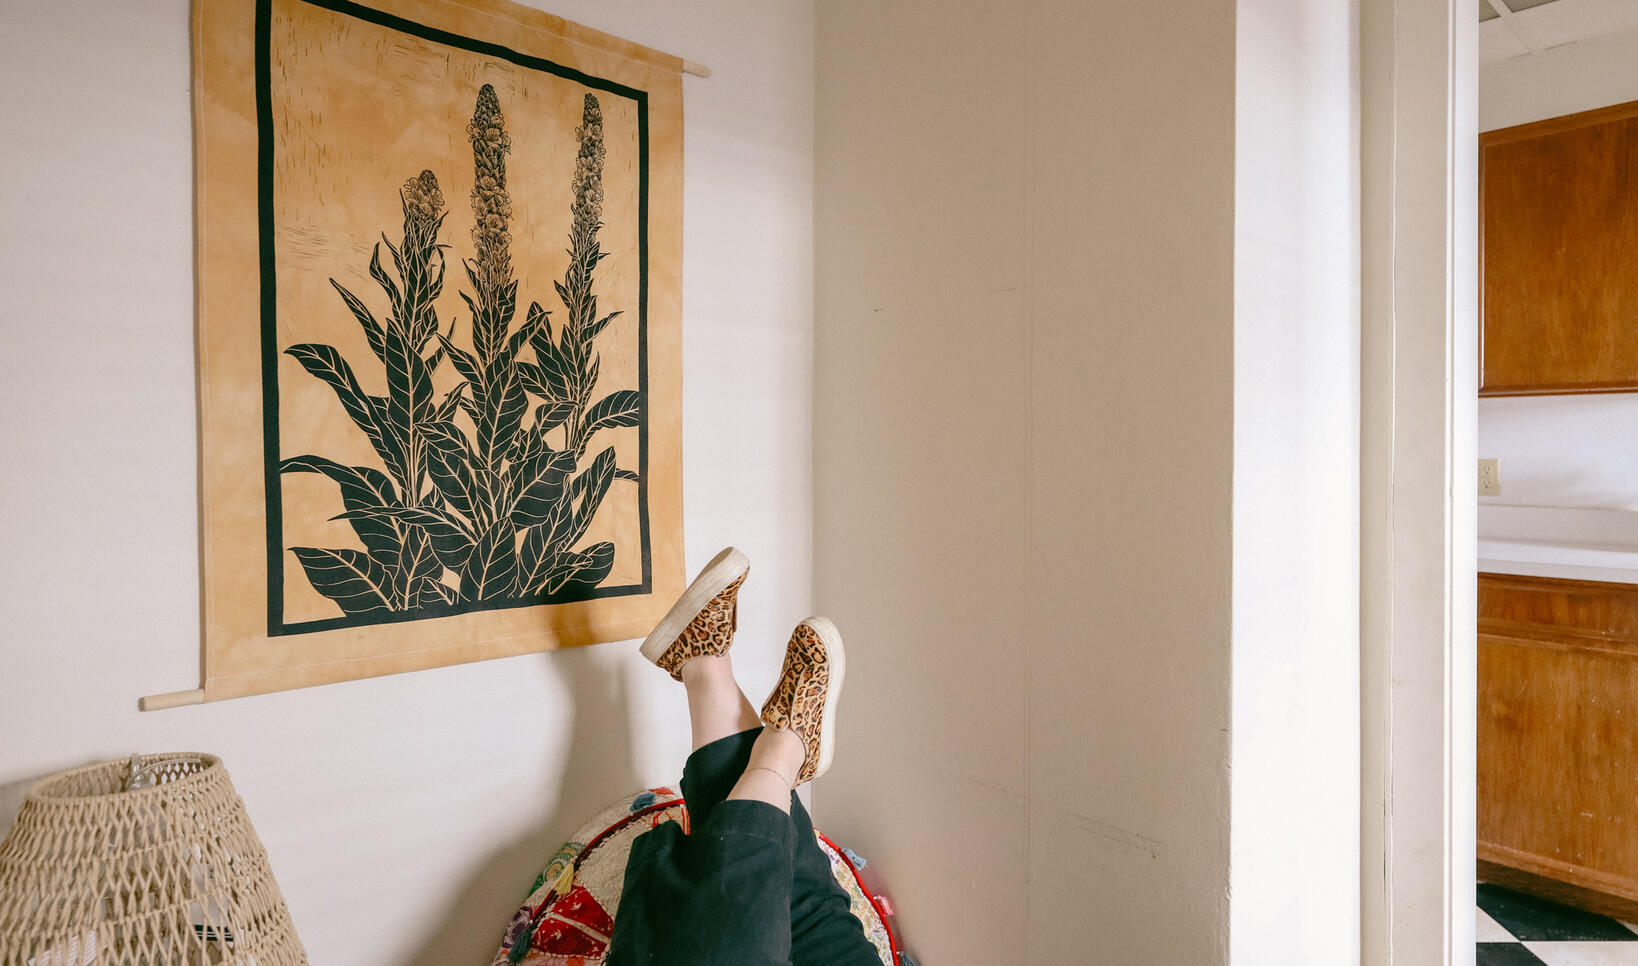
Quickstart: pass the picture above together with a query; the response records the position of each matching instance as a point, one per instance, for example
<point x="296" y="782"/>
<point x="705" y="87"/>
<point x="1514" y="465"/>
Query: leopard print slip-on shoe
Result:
<point x="804" y="699"/>
<point x="702" y="620"/>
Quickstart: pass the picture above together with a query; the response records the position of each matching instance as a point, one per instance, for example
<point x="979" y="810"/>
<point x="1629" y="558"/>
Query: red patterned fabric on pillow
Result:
<point x="568" y="918"/>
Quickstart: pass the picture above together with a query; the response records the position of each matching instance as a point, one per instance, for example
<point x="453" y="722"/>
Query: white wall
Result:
<point x="1296" y="777"/>
<point x="1023" y="459"/>
<point x="1565" y="79"/>
<point x="1557" y="451"/>
<point x="405" y="816"/>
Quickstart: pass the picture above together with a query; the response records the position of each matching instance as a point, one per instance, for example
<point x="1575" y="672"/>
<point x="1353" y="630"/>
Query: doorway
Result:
<point x="1557" y="527"/>
<point x="1418" y="127"/>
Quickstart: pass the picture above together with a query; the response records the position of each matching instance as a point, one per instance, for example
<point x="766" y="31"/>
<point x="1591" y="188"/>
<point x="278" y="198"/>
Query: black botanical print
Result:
<point x="485" y="493"/>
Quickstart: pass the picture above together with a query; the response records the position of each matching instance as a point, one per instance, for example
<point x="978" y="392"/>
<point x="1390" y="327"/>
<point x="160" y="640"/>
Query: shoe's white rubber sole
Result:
<point x="723" y="570"/>
<point x="836" y="657"/>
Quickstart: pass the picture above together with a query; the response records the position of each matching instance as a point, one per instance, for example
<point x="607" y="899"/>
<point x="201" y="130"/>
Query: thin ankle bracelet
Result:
<point x="770" y="771"/>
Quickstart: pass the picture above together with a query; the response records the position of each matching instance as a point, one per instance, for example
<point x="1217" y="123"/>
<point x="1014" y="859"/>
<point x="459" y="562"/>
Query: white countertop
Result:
<point x="1573" y="542"/>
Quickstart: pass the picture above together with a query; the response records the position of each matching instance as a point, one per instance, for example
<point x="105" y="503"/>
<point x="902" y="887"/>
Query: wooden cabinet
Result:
<point x="1558" y="739"/>
<point x="1558" y="209"/>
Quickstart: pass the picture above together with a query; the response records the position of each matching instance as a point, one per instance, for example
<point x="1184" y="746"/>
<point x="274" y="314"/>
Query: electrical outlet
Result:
<point x="1490" y="477"/>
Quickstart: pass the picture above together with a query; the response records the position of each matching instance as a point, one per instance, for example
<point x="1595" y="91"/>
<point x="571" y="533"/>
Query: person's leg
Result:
<point x="824" y="931"/>
<point x="725" y="728"/>
<point x="776" y="756"/>
<point x="717" y="707"/>
<point x="725" y="894"/>
<point x="692" y="643"/>
<point x="802" y="711"/>
<point x="719" y="896"/>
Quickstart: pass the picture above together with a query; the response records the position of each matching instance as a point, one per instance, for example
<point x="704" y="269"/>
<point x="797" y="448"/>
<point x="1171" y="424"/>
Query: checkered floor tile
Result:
<point x="1520" y="930"/>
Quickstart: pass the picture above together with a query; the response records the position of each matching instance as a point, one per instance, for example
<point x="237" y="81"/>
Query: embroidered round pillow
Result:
<point x="568" y="918"/>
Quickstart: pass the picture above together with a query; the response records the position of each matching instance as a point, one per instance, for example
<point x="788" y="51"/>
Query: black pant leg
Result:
<point x="824" y="931"/>
<point x="711" y="771"/>
<point x="720" y="896"/>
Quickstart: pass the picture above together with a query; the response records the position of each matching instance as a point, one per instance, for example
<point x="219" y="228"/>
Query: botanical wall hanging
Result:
<point x="439" y="254"/>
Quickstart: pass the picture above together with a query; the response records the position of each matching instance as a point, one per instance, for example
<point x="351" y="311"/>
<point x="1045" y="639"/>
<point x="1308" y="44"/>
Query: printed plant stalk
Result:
<point x="498" y="403"/>
<point x="398" y="566"/>
<point x="491" y="267"/>
<point x="584" y="254"/>
<point x="413" y="324"/>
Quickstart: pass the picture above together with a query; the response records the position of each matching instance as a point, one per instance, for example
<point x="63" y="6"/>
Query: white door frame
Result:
<point x="1419" y="174"/>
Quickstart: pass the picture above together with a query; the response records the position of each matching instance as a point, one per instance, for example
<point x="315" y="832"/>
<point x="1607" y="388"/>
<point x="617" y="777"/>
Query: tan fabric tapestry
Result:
<point x="439" y="308"/>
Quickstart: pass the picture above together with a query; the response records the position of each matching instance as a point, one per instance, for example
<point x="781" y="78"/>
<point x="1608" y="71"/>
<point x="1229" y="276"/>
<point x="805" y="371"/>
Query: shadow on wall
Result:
<point x="600" y="768"/>
<point x="11" y="801"/>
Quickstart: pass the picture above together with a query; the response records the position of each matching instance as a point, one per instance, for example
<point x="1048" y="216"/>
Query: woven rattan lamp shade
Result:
<point x="95" y="873"/>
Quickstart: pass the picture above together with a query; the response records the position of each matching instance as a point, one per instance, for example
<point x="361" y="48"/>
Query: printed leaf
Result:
<point x="585" y="567"/>
<point x="490" y="321"/>
<point x="450" y="540"/>
<point x="380" y="275"/>
<point x="355" y="582"/>
<point x="536" y="319"/>
<point x="449" y="461"/>
<point x="397" y="443"/>
<point x="535" y="571"/>
<point x="498" y="421"/>
<point x="327" y="364"/>
<point x="446" y="409"/>
<point x="621" y="408"/>
<point x="464" y="363"/>
<point x="533" y="380"/>
<point x="556" y="371"/>
<point x="417" y="564"/>
<point x="495" y="492"/>
<point x="588" y="489"/>
<point x="427" y="325"/>
<point x="361" y="488"/>
<point x="596" y="562"/>
<point x="525" y="447"/>
<point x="563" y="293"/>
<point x="596" y="328"/>
<point x="398" y="263"/>
<point x="472" y="308"/>
<point x="541" y="546"/>
<point x="542" y="339"/>
<point x="540" y="325"/>
<point x="431" y="591"/>
<point x="539" y="486"/>
<point x="492" y="569"/>
<point x="588" y="379"/>
<point x="409" y="396"/>
<point x="623" y="474"/>
<point x="366" y="321"/>
<point x="552" y="415"/>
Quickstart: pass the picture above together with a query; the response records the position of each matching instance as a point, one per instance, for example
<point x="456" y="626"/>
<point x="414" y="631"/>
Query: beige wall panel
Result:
<point x="1023" y="392"/>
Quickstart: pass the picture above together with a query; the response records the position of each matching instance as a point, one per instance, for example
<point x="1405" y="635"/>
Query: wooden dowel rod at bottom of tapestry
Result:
<point x="172" y="699"/>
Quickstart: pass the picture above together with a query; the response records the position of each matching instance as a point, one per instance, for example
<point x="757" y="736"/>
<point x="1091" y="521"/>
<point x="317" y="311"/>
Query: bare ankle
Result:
<point x="780" y="751"/>
<point x="707" y="669"/>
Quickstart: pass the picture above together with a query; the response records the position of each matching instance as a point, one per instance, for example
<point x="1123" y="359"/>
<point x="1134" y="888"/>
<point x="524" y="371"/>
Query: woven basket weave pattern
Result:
<point x="167" y="875"/>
